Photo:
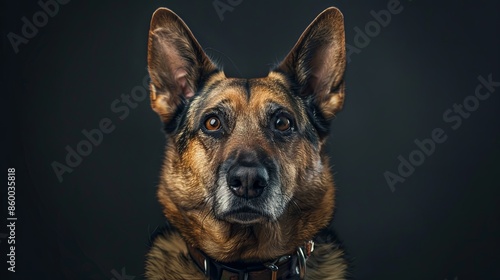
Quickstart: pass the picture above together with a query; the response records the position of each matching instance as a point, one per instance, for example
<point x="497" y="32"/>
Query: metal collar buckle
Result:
<point x="274" y="267"/>
<point x="302" y="255"/>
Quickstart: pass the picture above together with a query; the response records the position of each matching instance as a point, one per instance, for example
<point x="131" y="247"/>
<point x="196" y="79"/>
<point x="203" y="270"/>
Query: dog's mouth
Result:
<point x="245" y="215"/>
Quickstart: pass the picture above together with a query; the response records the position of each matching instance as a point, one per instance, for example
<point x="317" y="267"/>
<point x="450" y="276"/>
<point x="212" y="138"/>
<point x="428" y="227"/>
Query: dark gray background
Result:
<point x="443" y="222"/>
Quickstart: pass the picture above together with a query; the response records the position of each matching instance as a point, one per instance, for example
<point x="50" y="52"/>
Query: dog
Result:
<point x="246" y="185"/>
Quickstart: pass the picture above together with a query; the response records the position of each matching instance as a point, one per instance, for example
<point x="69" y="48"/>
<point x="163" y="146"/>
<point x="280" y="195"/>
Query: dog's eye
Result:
<point x="282" y="123"/>
<point x="212" y="123"/>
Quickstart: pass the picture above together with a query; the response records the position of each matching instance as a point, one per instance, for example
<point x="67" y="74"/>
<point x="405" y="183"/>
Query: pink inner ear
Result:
<point x="181" y="80"/>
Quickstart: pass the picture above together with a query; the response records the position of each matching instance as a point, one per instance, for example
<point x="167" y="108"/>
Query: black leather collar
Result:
<point x="290" y="267"/>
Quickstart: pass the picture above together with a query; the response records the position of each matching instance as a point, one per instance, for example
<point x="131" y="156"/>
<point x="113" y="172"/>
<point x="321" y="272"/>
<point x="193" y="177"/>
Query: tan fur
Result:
<point x="325" y="263"/>
<point x="171" y="249"/>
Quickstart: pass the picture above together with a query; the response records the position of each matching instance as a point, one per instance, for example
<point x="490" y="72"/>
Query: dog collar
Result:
<point x="285" y="267"/>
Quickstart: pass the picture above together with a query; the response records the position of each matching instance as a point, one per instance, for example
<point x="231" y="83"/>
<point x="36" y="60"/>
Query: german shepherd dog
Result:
<point x="246" y="184"/>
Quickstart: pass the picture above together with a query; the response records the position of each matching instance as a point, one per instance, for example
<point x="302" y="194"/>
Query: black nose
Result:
<point x="247" y="181"/>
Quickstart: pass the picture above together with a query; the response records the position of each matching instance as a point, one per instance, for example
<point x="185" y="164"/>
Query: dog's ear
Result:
<point x="317" y="62"/>
<point x="176" y="63"/>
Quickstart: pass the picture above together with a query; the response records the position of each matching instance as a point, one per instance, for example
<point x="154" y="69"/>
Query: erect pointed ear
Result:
<point x="317" y="62"/>
<point x="176" y="63"/>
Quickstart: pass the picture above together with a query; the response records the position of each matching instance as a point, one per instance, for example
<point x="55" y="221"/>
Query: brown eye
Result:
<point x="212" y="123"/>
<point x="282" y="123"/>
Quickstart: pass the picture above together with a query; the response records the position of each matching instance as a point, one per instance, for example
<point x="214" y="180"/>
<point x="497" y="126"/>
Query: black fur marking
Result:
<point x="320" y="123"/>
<point x="204" y="78"/>
<point x="247" y="89"/>
<point x="183" y="136"/>
<point x="243" y="83"/>
<point x="179" y="118"/>
<point x="211" y="87"/>
<point x="173" y="125"/>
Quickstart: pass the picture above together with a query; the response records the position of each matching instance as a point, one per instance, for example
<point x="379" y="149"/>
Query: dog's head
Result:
<point x="245" y="175"/>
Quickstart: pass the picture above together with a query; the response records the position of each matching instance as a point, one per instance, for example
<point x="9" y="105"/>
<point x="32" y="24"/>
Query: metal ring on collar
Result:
<point x="302" y="263"/>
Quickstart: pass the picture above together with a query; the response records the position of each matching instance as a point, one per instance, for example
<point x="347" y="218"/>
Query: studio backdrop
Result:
<point x="415" y="151"/>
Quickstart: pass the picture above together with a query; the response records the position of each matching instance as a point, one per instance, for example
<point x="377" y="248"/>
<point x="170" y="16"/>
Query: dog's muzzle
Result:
<point x="248" y="189"/>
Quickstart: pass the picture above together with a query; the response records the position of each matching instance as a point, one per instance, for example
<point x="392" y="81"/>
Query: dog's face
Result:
<point x="245" y="176"/>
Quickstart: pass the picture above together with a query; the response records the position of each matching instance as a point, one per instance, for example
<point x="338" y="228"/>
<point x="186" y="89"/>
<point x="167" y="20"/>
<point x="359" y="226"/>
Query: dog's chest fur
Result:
<point x="169" y="259"/>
